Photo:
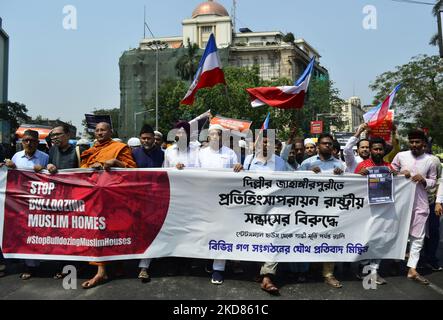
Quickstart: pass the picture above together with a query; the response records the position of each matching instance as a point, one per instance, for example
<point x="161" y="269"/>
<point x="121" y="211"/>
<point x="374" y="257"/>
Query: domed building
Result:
<point x="267" y="49"/>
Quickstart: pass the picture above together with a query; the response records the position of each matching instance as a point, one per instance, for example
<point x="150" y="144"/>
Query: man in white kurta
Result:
<point x="217" y="156"/>
<point x="351" y="159"/>
<point x="419" y="167"/>
<point x="182" y="154"/>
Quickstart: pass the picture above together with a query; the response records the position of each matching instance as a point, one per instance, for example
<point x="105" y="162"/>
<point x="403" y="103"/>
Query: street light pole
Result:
<point x="156" y="45"/>
<point x="156" y="90"/>
<point x="440" y="30"/>
<point x="135" y="120"/>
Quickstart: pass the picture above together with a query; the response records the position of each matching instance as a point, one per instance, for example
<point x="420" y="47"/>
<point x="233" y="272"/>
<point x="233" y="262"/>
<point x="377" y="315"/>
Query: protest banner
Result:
<point x="232" y="124"/>
<point x="93" y="119"/>
<point x="89" y="215"/>
<point x="384" y="128"/>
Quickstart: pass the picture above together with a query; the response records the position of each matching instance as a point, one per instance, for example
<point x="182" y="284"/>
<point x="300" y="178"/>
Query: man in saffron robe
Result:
<point x="105" y="154"/>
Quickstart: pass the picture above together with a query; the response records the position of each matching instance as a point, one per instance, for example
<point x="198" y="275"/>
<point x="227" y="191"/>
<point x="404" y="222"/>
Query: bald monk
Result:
<point x="105" y="154"/>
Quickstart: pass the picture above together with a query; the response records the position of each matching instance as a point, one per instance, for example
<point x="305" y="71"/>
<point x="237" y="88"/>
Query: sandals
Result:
<point x="144" y="275"/>
<point x="25" y="276"/>
<point x="94" y="282"/>
<point x="268" y="286"/>
<point x="59" y="275"/>
<point x="333" y="282"/>
<point x="420" y="279"/>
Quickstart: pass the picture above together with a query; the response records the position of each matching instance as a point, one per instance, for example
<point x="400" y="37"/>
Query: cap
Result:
<point x="309" y="141"/>
<point x="134" y="142"/>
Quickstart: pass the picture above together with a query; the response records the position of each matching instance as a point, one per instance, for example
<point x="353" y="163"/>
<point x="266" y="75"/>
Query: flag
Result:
<point x="284" y="97"/>
<point x="265" y="124"/>
<point x="377" y="114"/>
<point x="209" y="72"/>
<point x="198" y="123"/>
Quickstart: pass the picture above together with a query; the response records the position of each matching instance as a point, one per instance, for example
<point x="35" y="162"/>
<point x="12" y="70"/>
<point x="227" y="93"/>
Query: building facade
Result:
<point x="4" y="62"/>
<point x="352" y="114"/>
<point x="268" y="50"/>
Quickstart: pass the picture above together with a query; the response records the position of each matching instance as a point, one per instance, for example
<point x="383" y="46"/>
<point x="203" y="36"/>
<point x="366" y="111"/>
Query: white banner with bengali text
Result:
<point x="211" y="214"/>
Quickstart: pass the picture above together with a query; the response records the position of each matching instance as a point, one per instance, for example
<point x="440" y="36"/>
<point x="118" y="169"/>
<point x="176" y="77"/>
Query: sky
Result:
<point x="64" y="74"/>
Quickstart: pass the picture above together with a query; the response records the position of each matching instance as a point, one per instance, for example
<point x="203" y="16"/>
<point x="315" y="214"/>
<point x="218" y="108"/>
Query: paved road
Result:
<point x="196" y="285"/>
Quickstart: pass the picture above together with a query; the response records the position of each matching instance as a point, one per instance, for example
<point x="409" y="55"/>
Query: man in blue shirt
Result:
<point x="265" y="159"/>
<point x="29" y="158"/>
<point x="324" y="161"/>
<point x="149" y="154"/>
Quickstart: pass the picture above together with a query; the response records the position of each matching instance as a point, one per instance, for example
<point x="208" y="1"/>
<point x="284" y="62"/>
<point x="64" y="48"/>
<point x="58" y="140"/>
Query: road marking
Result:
<point x="436" y="288"/>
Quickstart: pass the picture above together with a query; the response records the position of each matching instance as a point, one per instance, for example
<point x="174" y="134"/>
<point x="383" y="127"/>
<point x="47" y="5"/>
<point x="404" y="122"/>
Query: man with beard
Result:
<point x="419" y="167"/>
<point x="158" y="136"/>
<point x="325" y="162"/>
<point x="377" y="152"/>
<point x="149" y="155"/>
<point x="310" y="148"/>
<point x="296" y="154"/>
<point x="217" y="156"/>
<point x="182" y="154"/>
<point x="351" y="159"/>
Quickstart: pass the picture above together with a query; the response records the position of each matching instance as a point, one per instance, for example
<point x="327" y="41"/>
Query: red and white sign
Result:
<point x="316" y="127"/>
<point x="383" y="129"/>
<point x="86" y="215"/>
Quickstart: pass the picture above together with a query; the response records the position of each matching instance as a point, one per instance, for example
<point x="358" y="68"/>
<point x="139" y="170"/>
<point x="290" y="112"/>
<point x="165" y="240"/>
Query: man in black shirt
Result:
<point x="62" y="155"/>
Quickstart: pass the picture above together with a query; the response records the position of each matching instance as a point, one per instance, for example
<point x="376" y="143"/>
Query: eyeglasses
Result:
<point x="326" y="143"/>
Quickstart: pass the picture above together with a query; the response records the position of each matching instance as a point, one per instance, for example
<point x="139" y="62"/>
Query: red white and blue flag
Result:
<point x="377" y="114"/>
<point x="209" y="72"/>
<point x="284" y="97"/>
<point x="265" y="124"/>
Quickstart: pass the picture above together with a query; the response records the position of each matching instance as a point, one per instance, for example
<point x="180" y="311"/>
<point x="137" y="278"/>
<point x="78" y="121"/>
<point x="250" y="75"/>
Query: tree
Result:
<point x="233" y="101"/>
<point x="15" y="113"/>
<point x="323" y="98"/>
<point x="436" y="11"/>
<point x="419" y="102"/>
<point x="114" y="113"/>
<point x="170" y="93"/>
<point x="187" y="64"/>
<point x="289" y="37"/>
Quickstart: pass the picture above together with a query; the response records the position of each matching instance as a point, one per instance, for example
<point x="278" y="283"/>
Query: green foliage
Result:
<point x="419" y="103"/>
<point x="14" y="112"/>
<point x="233" y="101"/>
<point x="289" y="37"/>
<point x="187" y="64"/>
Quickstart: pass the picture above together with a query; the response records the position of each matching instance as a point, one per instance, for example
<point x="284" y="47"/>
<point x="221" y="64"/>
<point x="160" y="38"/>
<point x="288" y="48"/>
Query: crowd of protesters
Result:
<point x="265" y="153"/>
